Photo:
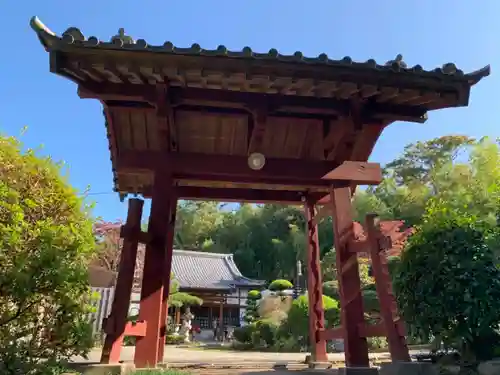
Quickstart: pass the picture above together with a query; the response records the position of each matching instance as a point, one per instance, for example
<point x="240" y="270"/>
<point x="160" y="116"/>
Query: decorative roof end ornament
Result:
<point x="122" y="38"/>
<point x="397" y="62"/>
<point x="38" y="26"/>
<point x="46" y="36"/>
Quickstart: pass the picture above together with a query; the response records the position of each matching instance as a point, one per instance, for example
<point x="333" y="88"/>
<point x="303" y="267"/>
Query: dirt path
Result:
<point x="212" y="356"/>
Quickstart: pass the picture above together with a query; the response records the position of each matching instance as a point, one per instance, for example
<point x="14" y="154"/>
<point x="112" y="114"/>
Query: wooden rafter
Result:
<point x="242" y="195"/>
<point x="221" y="168"/>
<point x="165" y="118"/>
<point x="276" y="103"/>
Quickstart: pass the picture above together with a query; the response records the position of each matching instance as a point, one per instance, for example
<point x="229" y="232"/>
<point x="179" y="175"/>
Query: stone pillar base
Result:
<point x="320" y="365"/>
<point x="408" y="368"/>
<point x="358" y="371"/>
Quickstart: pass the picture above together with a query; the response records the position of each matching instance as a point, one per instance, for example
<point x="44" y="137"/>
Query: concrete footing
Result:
<point x="358" y="371"/>
<point x="408" y="368"/>
<point x="105" y="369"/>
<point x="320" y="365"/>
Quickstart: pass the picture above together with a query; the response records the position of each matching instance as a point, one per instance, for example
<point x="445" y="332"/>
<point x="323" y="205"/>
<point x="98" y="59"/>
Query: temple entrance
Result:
<point x="189" y="123"/>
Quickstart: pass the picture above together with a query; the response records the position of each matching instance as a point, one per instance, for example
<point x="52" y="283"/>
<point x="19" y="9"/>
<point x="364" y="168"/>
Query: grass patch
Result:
<point x="161" y="372"/>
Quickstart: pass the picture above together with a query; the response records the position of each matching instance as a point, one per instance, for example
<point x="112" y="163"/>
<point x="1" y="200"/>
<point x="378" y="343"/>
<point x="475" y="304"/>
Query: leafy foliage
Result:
<point x="252" y="310"/>
<point x="298" y="317"/>
<point x="448" y="284"/>
<point x="421" y="158"/>
<point x="180" y="299"/>
<point x="280" y="285"/>
<point x="267" y="240"/>
<point x="46" y="243"/>
<point x="284" y="327"/>
<point x="254" y="295"/>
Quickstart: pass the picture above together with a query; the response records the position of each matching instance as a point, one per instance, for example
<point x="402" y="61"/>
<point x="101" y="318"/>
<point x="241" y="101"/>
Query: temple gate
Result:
<point x="190" y="123"/>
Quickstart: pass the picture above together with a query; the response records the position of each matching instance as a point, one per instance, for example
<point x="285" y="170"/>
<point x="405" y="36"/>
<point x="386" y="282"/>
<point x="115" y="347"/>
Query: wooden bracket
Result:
<point x="131" y="234"/>
<point x="136" y="329"/>
<point x="361" y="173"/>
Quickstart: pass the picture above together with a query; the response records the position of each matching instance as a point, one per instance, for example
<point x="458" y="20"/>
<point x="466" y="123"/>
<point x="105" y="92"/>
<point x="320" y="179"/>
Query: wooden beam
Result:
<point x="154" y="272"/>
<point x="223" y="98"/>
<point x="115" y="326"/>
<point x="351" y="299"/>
<point x="167" y="274"/>
<point x="371" y="171"/>
<point x="258" y="130"/>
<point x="242" y="195"/>
<point x="222" y="168"/>
<point x="314" y="287"/>
<point x="165" y="118"/>
<point x="397" y="343"/>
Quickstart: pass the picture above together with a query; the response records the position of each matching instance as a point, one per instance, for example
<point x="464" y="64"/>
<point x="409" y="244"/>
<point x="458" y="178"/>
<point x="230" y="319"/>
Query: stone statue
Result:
<point x="185" y="331"/>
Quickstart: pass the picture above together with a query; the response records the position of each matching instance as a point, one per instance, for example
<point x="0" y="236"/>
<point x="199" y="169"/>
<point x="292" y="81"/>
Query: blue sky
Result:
<point x="426" y="32"/>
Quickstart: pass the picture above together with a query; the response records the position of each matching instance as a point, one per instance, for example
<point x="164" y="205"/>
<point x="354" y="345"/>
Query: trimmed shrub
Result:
<point x="274" y="308"/>
<point x="266" y="331"/>
<point x="244" y="334"/>
<point x="254" y="295"/>
<point x="280" y="285"/>
<point x="448" y="283"/>
<point x="297" y="322"/>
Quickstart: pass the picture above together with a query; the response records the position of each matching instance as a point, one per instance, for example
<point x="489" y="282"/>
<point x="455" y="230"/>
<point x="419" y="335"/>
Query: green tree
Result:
<point x="195" y="221"/>
<point x="420" y="158"/>
<point x="180" y="299"/>
<point x="448" y="284"/>
<point x="329" y="269"/>
<point x="474" y="186"/>
<point x="266" y="240"/>
<point x="297" y="322"/>
<point x="46" y="244"/>
<point x="412" y="179"/>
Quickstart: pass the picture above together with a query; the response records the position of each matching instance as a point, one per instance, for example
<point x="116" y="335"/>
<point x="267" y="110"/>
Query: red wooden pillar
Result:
<point x="314" y="288"/>
<point x="166" y="283"/>
<point x="146" y="348"/>
<point x="388" y="309"/>
<point x="351" y="302"/>
<point x="115" y="324"/>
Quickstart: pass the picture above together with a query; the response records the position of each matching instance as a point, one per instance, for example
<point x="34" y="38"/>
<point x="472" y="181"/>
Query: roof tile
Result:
<point x="73" y="36"/>
<point x="200" y="270"/>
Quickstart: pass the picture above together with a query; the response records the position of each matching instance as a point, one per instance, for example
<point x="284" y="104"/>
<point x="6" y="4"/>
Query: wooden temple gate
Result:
<point x="189" y="123"/>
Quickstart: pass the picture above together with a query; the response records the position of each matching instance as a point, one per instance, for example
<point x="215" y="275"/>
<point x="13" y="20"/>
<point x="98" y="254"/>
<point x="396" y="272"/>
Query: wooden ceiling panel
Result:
<point x="209" y="133"/>
<point x="152" y="134"/>
<point x="138" y="124"/>
<point x="134" y="129"/>
<point x="286" y="137"/>
<point x="123" y="130"/>
<point x="313" y="141"/>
